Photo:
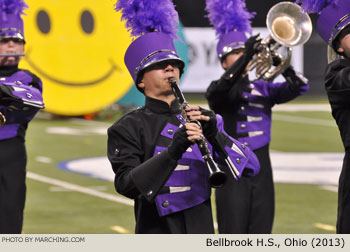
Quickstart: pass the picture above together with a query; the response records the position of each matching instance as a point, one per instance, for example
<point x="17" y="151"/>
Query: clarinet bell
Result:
<point x="217" y="177"/>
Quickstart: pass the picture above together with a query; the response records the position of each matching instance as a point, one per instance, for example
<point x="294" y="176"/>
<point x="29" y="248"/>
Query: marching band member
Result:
<point x="20" y="100"/>
<point x="246" y="111"/>
<point x="152" y="149"/>
<point x="333" y="25"/>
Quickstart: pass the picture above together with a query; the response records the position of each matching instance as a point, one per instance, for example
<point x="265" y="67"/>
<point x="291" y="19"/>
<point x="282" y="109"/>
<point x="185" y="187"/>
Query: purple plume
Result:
<point x="143" y="16"/>
<point x="229" y="15"/>
<point x="11" y="6"/>
<point x="315" y="6"/>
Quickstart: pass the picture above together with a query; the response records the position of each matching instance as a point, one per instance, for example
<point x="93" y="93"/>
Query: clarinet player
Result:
<point x="152" y="150"/>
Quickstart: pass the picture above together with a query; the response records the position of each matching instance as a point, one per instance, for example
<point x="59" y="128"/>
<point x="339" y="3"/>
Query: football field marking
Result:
<point x="325" y="226"/>
<point x="80" y="189"/>
<point x="304" y="120"/>
<point x="120" y="229"/>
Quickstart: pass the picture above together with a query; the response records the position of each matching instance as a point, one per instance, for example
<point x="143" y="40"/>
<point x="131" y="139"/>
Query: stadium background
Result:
<point x="69" y="186"/>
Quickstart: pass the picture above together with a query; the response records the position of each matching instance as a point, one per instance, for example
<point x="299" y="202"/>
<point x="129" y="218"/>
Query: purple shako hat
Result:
<point x="334" y="16"/>
<point x="155" y="22"/>
<point x="231" y="21"/>
<point x="333" y="20"/>
<point x="11" y="23"/>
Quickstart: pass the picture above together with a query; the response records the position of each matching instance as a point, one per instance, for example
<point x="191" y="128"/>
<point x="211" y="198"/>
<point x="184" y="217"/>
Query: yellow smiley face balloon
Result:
<point x="77" y="48"/>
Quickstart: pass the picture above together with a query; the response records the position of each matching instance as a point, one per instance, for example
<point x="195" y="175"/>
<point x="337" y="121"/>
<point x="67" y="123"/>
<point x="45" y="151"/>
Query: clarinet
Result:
<point x="12" y="54"/>
<point x="216" y="177"/>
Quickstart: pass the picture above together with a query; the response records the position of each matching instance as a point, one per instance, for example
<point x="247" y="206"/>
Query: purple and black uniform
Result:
<point x="170" y="196"/>
<point x="246" y="111"/>
<point x="337" y="82"/>
<point x="20" y="85"/>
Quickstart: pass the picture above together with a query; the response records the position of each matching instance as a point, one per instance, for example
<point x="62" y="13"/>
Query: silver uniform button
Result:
<point x="243" y="146"/>
<point x="149" y="194"/>
<point x="245" y="143"/>
<point x="238" y="161"/>
<point x="242" y="108"/>
<point x="243" y="126"/>
<point x="170" y="131"/>
<point x="246" y="97"/>
<point x="165" y="203"/>
<point x="29" y="95"/>
<point x="231" y="75"/>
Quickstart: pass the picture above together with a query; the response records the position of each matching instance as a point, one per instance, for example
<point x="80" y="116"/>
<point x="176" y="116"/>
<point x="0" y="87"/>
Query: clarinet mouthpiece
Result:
<point x="173" y="81"/>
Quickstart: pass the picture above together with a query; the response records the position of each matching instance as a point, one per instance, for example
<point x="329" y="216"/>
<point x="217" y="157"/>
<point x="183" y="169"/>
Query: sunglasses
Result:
<point x="165" y="64"/>
<point x="15" y="40"/>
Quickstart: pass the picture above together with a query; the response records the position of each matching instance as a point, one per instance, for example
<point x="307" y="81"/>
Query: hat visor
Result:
<point x="160" y="57"/>
<point x="11" y="34"/>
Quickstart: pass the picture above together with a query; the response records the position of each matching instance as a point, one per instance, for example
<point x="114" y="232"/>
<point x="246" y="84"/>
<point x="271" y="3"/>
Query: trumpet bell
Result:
<point x="288" y="25"/>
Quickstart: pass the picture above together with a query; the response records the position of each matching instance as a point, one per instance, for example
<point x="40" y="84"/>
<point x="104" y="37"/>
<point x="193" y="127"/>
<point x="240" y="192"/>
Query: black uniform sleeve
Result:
<point x="224" y="92"/>
<point x="133" y="176"/>
<point x="217" y="95"/>
<point x="337" y="82"/>
<point x="293" y="78"/>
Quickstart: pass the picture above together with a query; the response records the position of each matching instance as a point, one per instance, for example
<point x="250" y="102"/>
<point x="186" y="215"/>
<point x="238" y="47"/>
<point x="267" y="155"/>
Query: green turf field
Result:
<point x="53" y="209"/>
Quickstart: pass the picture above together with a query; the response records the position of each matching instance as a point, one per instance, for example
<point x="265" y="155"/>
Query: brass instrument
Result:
<point x="216" y="177"/>
<point x="288" y="26"/>
<point x="2" y="119"/>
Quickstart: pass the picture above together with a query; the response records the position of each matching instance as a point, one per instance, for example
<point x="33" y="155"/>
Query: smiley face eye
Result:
<point x="87" y="22"/>
<point x="43" y="22"/>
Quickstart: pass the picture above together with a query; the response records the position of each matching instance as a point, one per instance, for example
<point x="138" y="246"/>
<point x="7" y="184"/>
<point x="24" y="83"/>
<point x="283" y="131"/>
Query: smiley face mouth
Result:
<point x="112" y="69"/>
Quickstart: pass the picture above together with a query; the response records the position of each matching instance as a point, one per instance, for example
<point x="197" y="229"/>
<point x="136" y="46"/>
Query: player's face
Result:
<point x="345" y="45"/>
<point x="9" y="46"/>
<point x="232" y="58"/>
<point x="155" y="81"/>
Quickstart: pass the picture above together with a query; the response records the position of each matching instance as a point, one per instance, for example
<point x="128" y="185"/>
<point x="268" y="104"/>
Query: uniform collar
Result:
<point x="161" y="107"/>
<point x="8" y="70"/>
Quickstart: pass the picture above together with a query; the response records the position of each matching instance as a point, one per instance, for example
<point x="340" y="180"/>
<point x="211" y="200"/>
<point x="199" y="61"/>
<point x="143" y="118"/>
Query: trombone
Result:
<point x="288" y="26"/>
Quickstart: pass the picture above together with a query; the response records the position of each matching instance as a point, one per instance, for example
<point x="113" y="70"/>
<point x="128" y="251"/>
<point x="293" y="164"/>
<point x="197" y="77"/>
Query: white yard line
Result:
<point x="78" y="188"/>
<point x="293" y="107"/>
<point x="302" y="107"/>
<point x="83" y="189"/>
<point x="304" y="120"/>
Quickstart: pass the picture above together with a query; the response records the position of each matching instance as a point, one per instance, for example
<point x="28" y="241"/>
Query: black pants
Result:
<point x="247" y="206"/>
<point x="13" y="161"/>
<point x="343" y="220"/>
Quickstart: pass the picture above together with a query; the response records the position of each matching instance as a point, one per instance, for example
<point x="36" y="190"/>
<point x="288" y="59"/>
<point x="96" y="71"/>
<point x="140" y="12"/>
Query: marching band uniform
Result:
<point x="337" y="84"/>
<point x="246" y="110"/>
<point x="168" y="182"/>
<point x="137" y="149"/>
<point x="19" y="91"/>
<point x="333" y="24"/>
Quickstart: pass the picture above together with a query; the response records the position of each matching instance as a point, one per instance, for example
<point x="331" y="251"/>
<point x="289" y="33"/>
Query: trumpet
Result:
<point x="288" y="26"/>
<point x="2" y="119"/>
<point x="216" y="177"/>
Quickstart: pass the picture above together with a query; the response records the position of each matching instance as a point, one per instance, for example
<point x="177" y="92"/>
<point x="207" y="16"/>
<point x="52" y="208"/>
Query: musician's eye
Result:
<point x="43" y="22"/>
